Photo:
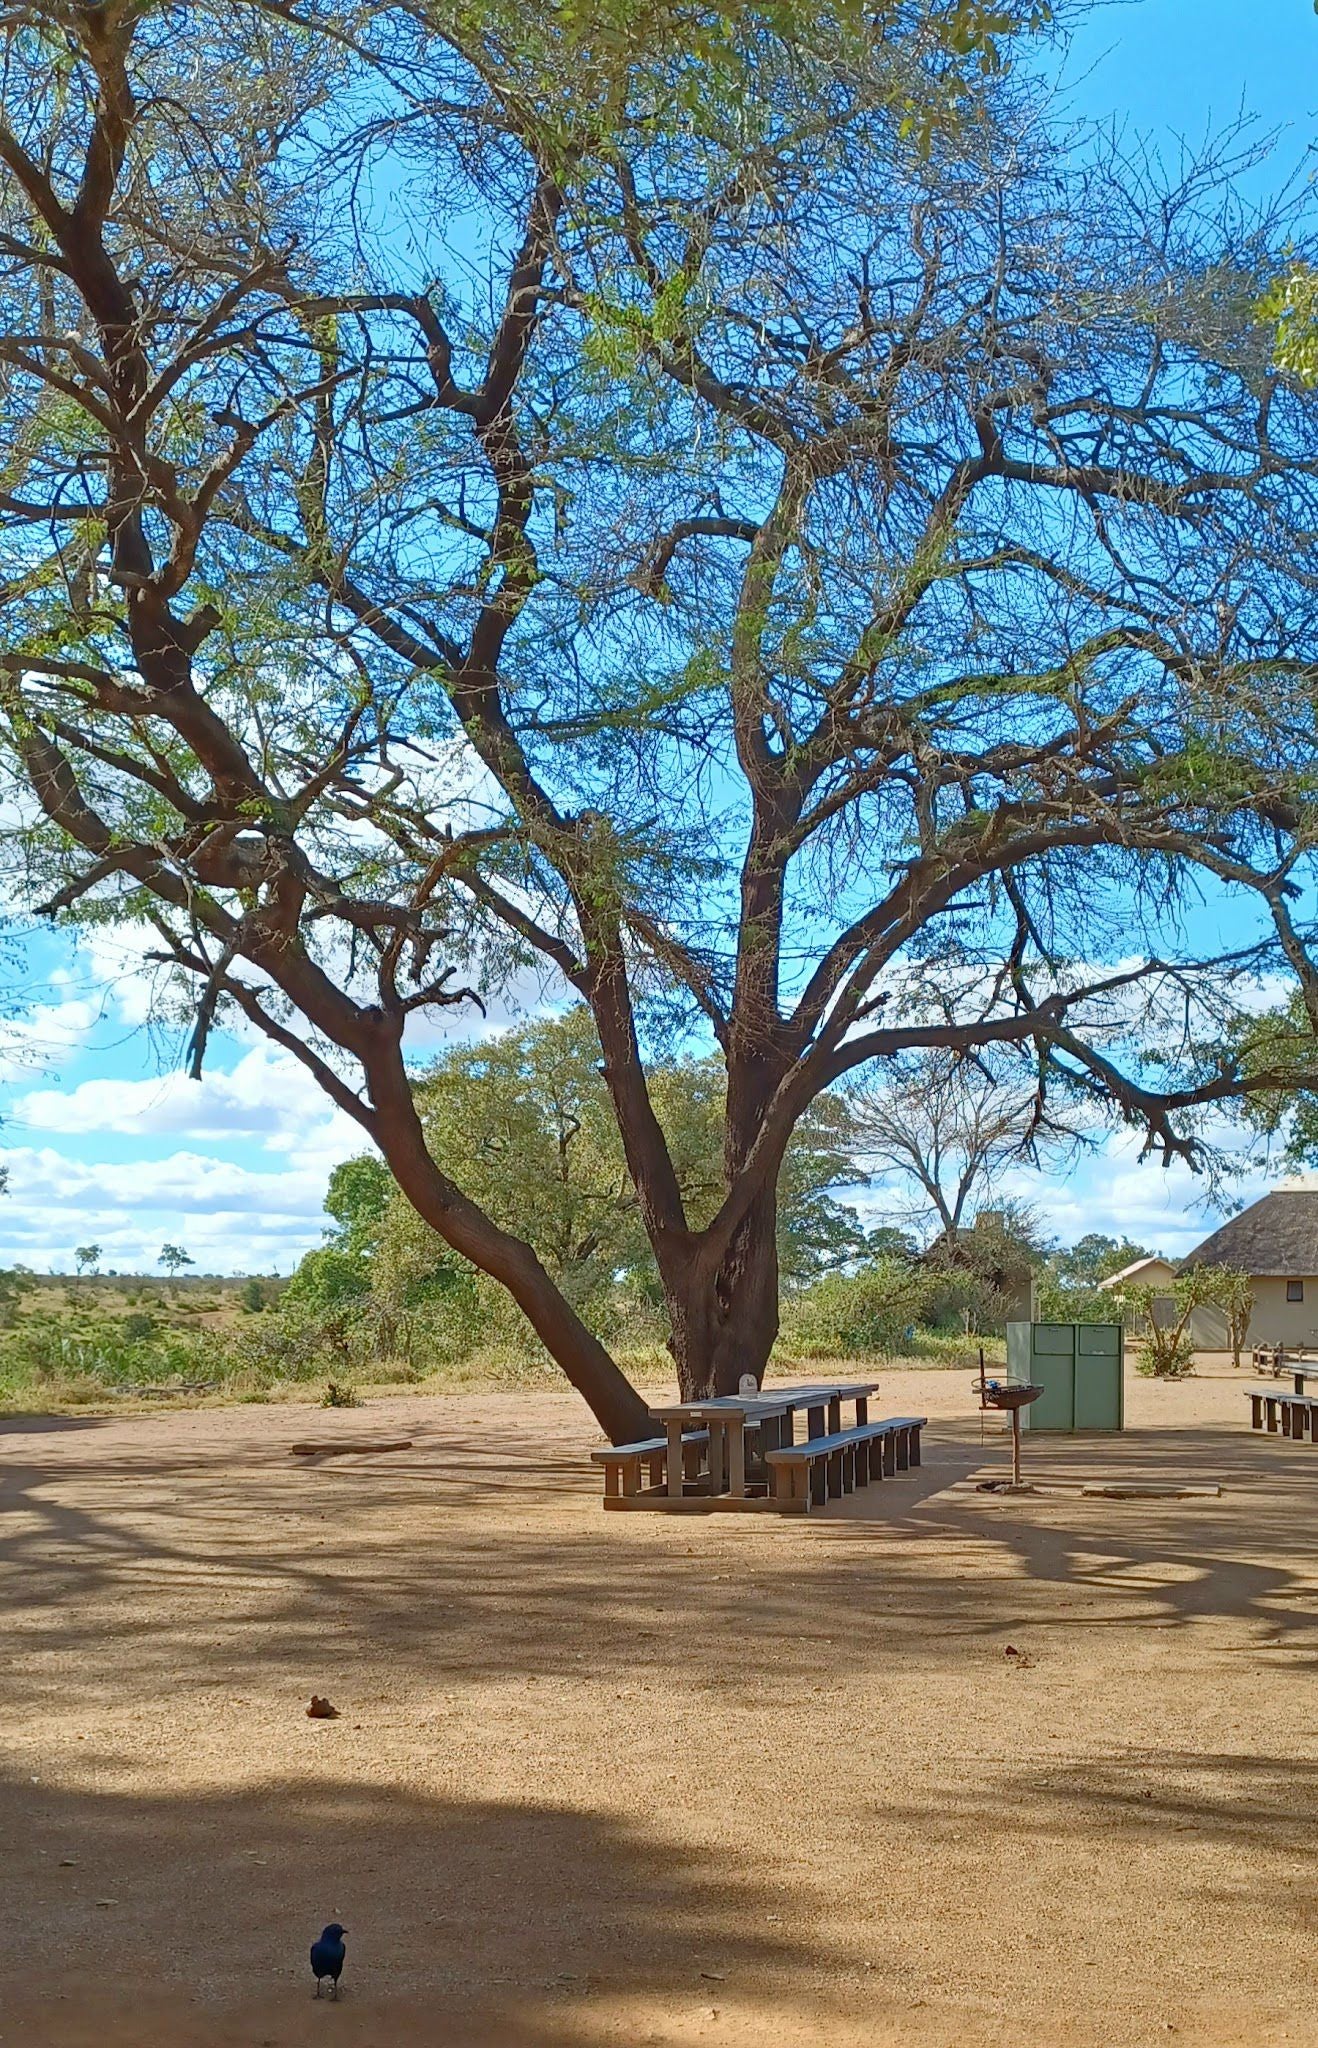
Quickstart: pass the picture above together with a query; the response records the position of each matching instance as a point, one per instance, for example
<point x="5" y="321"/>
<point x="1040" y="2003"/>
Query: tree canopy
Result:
<point x="813" y="566"/>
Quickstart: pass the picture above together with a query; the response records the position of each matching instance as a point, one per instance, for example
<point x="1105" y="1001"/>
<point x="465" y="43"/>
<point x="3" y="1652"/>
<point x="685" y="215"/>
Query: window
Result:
<point x="1295" y="1290"/>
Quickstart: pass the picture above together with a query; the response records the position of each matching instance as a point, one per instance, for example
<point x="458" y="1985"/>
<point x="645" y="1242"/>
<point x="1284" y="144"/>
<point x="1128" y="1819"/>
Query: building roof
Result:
<point x="1274" y="1239"/>
<point x="1139" y="1272"/>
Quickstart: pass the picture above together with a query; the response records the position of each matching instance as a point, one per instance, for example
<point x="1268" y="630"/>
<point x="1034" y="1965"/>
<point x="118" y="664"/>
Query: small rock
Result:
<point x="68" y="1863"/>
<point x="321" y="1710"/>
<point x="107" y="1902"/>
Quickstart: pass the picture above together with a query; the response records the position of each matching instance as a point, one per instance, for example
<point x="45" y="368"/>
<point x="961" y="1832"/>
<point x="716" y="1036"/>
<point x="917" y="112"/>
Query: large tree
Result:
<point x="773" y="541"/>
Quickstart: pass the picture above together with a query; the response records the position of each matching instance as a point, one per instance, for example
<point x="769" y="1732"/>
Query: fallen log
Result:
<point x="342" y="1447"/>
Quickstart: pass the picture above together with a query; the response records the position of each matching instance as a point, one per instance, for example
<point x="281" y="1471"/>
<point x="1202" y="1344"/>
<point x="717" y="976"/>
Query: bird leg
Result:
<point x="334" y="1989"/>
<point x="318" y="1987"/>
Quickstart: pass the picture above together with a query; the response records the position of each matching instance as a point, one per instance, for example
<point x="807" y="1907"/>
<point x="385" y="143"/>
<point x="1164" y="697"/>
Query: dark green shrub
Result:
<point x="875" y="1309"/>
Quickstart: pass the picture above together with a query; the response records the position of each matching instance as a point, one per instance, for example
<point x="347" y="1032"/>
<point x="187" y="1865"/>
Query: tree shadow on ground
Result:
<point x="470" y="1594"/>
<point x="496" y="1923"/>
<point x="469" y="1559"/>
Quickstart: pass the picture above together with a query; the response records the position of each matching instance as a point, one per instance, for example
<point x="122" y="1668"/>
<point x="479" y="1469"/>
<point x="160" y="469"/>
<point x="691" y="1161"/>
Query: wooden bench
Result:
<point x="825" y="1467"/>
<point x="622" y="1463"/>
<point x="1295" y="1415"/>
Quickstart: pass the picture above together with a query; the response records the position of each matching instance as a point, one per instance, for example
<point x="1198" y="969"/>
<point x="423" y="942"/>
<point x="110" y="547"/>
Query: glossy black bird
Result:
<point x="327" y="1957"/>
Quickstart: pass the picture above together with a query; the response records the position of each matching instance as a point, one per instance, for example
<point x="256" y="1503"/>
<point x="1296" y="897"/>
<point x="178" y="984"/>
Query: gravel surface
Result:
<point x="939" y="1768"/>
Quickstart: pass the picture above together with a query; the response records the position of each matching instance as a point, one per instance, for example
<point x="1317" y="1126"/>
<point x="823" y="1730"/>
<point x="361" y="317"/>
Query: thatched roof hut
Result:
<point x="1274" y="1239"/>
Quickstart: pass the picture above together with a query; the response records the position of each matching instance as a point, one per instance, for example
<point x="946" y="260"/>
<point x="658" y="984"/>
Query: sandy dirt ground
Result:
<point x="653" y="1780"/>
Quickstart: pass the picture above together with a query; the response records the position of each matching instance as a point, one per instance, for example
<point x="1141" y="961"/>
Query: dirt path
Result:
<point x="631" y="1779"/>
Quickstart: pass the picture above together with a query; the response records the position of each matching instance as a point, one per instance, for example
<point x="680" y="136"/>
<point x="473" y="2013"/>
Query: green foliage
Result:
<point x="1068" y="1281"/>
<point x="586" y="75"/>
<point x="105" y="1356"/>
<point x="1282" y="1041"/>
<point x="1165" y="1354"/>
<point x="328" y="1279"/>
<point x="253" y="1297"/>
<point x="359" y="1195"/>
<point x="529" y="1115"/>
<point x="1167" y="1348"/>
<point x="1236" y="1299"/>
<point x="1290" y="304"/>
<point x="1060" y="1302"/>
<point x="1094" y="1258"/>
<point x="338" y="1394"/>
<point x="871" y="1312"/>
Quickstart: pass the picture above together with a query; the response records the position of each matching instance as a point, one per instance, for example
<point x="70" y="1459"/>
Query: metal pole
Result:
<point x="1015" y="1447"/>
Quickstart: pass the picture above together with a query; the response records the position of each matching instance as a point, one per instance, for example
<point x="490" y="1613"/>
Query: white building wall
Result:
<point x="1278" y="1321"/>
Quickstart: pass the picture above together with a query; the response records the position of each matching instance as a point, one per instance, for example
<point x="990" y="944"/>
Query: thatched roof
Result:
<point x="1275" y="1239"/>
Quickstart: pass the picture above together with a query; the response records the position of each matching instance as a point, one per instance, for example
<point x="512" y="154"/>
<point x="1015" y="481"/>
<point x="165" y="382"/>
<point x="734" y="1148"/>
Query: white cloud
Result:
<point x="231" y="1218"/>
<point x="46" y="1035"/>
<point x="268" y="1098"/>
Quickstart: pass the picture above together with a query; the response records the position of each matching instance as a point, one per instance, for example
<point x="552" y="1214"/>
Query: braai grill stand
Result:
<point x="1011" y="1396"/>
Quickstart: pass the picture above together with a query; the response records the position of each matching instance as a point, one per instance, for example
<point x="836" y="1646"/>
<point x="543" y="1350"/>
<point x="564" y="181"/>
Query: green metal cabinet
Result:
<point x="1080" y="1368"/>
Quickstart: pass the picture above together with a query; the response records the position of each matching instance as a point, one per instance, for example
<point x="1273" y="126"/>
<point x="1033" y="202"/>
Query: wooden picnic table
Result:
<point x="1276" y="1360"/>
<point x="772" y="1411"/>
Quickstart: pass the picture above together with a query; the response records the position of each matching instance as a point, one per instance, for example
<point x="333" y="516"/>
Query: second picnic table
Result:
<point x="772" y="1412"/>
<point x="1275" y="1358"/>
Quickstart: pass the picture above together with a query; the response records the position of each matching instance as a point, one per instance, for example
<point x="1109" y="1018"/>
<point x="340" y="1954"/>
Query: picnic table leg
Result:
<point x="862" y="1410"/>
<point x="1299" y="1378"/>
<point x="814" y="1422"/>
<point x="736" y="1426"/>
<point x="1256" y="1411"/>
<point x="717" y="1460"/>
<point x="834" y="1415"/>
<point x="673" y="1430"/>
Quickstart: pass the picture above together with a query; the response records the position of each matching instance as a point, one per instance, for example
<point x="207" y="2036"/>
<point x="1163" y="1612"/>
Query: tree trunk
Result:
<point x="725" y="1315"/>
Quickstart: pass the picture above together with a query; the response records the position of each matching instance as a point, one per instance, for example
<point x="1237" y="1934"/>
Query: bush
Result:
<point x="1062" y="1301"/>
<point x="1165" y="1355"/>
<point x="874" y="1309"/>
<point x="328" y="1279"/>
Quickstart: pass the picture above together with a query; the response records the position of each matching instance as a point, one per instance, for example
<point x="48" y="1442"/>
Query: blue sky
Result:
<point x="105" y="1139"/>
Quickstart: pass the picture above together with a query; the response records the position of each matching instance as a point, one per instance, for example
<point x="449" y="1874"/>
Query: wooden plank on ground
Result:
<point x="1115" y="1490"/>
<point x="342" y="1447"/>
